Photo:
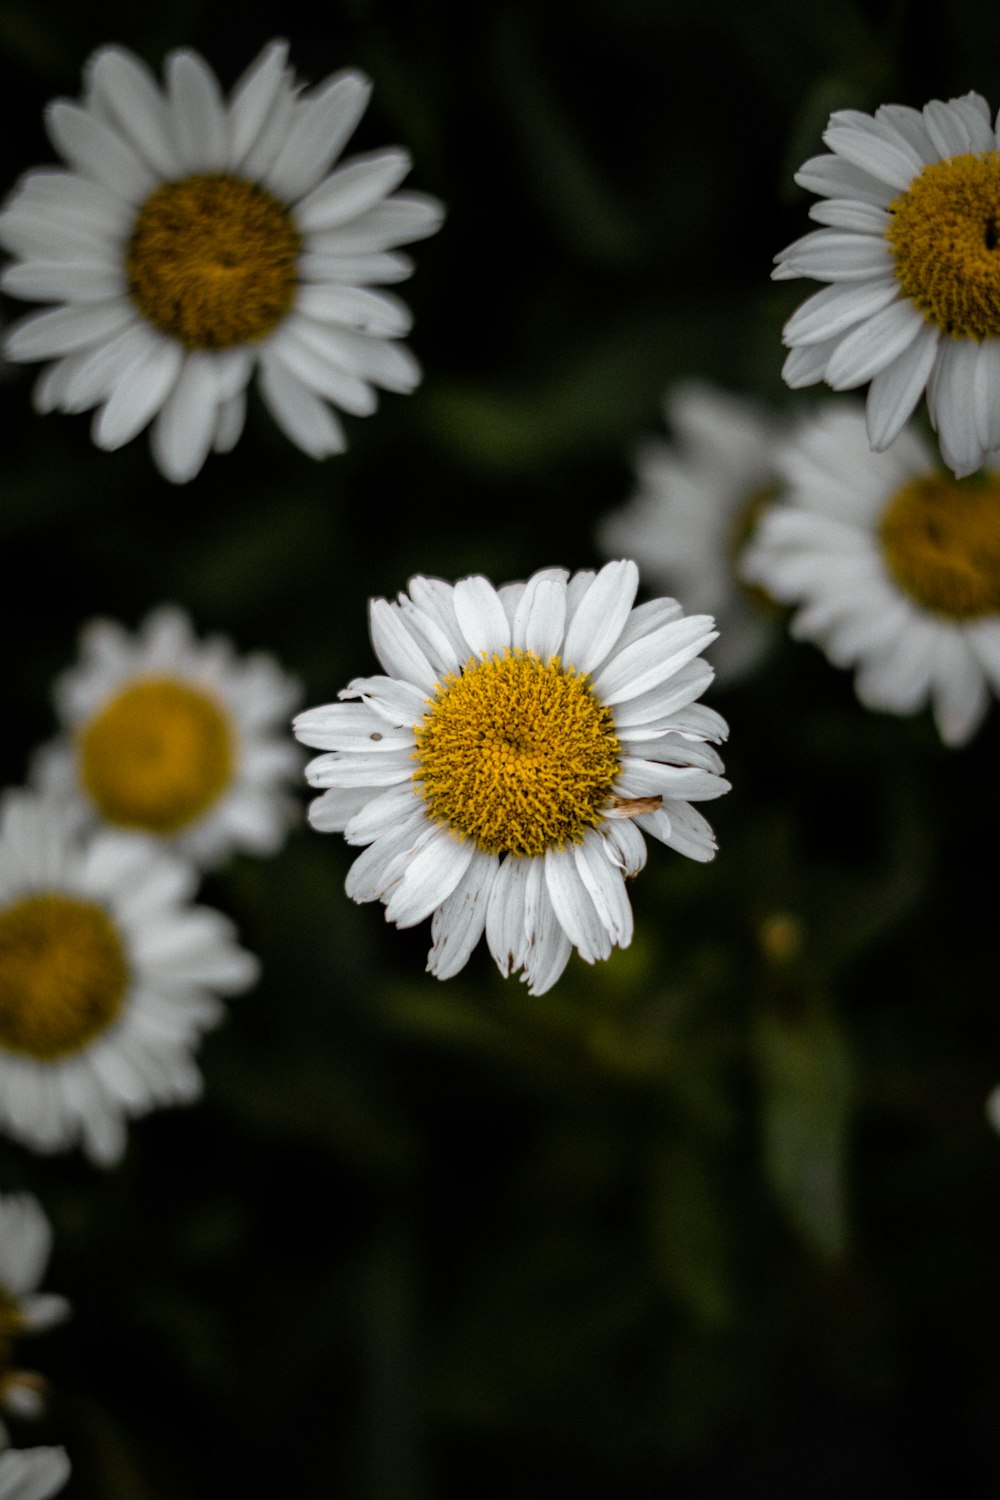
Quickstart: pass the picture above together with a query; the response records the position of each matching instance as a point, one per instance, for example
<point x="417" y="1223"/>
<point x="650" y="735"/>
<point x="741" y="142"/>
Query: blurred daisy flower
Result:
<point x="698" y="500"/>
<point x="895" y="566"/>
<point x="175" y="737"/>
<point x="108" y="978"/>
<point x="912" y="214"/>
<point x="193" y="242"/>
<point x="25" y="1245"/>
<point x="32" y="1473"/>
<point x="504" y="770"/>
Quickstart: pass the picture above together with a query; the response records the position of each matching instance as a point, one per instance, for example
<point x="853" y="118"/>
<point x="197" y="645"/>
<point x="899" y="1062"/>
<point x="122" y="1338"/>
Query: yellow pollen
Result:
<point x="945" y="235"/>
<point x="63" y="975"/>
<point x="213" y="261"/>
<point x="941" y="543"/>
<point x="516" y="754"/>
<point x="156" y="756"/>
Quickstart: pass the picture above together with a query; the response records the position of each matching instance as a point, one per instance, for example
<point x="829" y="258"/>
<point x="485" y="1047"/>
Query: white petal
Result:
<point x="540" y="619"/>
<point x="396" y="648"/>
<point x="352" y="189"/>
<point x="574" y="908"/>
<point x="481" y="616"/>
<point x="183" y="431"/>
<point x="64" y="330"/>
<point x="837" y="255"/>
<point x="197" y="113"/>
<point x="606" y="887"/>
<point x="600" y="616"/>
<point x="128" y="90"/>
<point x="429" y="878"/>
<point x="505" y="934"/>
<point x="252" y="99"/>
<point x="459" y="921"/>
<point x="64" y="281"/>
<point x="320" y="129"/>
<point x="303" y="417"/>
<point x="98" y="151"/>
<point x="648" y="662"/>
<point x="952" y="401"/>
<point x="362" y="311"/>
<point x="895" y="391"/>
<point x="890" y="161"/>
<point x="867" y="349"/>
<point x="137" y="399"/>
<point x="833" y="309"/>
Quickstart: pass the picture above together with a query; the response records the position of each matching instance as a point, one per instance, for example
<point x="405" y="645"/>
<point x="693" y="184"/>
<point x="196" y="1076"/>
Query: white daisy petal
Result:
<point x="832" y="310"/>
<point x="318" y="134"/>
<point x="481" y="616"/>
<point x="896" y="389"/>
<point x="879" y="340"/>
<point x="253" y="99"/>
<point x="303" y="416"/>
<point x="97" y="151"/>
<point x="197" y="114"/>
<point x="460" y="920"/>
<point x="352" y="189"/>
<point x="128" y="91"/>
<point x="32" y="1473"/>
<point x="184" y="429"/>
<point x="600" y="616"/>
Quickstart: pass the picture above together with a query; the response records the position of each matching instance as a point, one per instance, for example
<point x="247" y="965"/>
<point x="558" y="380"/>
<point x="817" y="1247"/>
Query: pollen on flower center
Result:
<point x="516" y="754"/>
<point x="212" y="261"/>
<point x="63" y="975"/>
<point x="941" y="542"/>
<point x="157" y="755"/>
<point x="945" y="236"/>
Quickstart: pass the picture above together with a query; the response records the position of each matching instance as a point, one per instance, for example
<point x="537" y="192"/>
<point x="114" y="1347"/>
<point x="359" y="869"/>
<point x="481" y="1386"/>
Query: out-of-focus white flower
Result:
<point x="108" y="978"/>
<point x="177" y="738"/>
<point x="32" y="1473"/>
<point x="25" y="1245"/>
<point x="911" y="216"/>
<point x="698" y="500"/>
<point x="503" y="772"/>
<point x="895" y="567"/>
<point x="193" y="242"/>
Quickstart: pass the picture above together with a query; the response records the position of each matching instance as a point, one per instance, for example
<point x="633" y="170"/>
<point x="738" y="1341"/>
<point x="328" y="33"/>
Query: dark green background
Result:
<point x="696" y="1223"/>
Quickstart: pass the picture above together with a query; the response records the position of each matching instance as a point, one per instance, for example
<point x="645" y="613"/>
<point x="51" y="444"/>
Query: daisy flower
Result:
<point x="175" y="738"/>
<point x="503" y="771"/>
<point x="32" y="1473"/>
<point x="108" y="977"/>
<point x="697" y="503"/>
<point x="192" y="242"/>
<point x="912" y="214"/>
<point x="895" y="567"/>
<point x="25" y="1244"/>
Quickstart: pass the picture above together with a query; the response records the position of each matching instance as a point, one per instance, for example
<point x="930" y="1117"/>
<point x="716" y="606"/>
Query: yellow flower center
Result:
<point x="941" y="543"/>
<point x="516" y="754"/>
<point x="63" y="975"/>
<point x="945" y="233"/>
<point x="157" y="756"/>
<point x="212" y="261"/>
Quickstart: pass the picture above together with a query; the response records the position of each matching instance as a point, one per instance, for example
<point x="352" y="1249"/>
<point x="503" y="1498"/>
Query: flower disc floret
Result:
<point x="941" y="542"/>
<point x="945" y="236"/>
<point x="212" y="261"/>
<point x="63" y="975"/>
<point x="157" y="755"/>
<point x="516" y="754"/>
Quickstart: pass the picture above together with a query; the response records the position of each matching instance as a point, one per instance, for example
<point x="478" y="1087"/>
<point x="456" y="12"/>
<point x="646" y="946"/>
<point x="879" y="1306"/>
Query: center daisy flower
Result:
<point x="193" y="241"/>
<point x="107" y="979"/>
<point x="32" y="1473"/>
<point x="176" y="738"/>
<point x="25" y="1245"/>
<point x="504" y="770"/>
<point x="698" y="500"/>
<point x="895" y="565"/>
<point x="912" y="249"/>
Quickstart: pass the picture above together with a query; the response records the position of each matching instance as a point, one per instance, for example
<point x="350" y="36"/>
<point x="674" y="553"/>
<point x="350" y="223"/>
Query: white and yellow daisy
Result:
<point x="108" y="978"/>
<point x="25" y="1245"/>
<point x="911" y="209"/>
<point x="504" y="770"/>
<point x="176" y="738"/>
<point x="698" y="500"/>
<point x="193" y="242"/>
<point x="32" y="1473"/>
<point x="895" y="567"/>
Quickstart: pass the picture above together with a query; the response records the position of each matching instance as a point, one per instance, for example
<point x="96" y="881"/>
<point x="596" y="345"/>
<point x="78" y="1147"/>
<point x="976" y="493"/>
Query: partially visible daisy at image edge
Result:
<point x="175" y="737"/>
<point x="697" y="502"/>
<point x="25" y="1246"/>
<point x="911" y="214"/>
<point x="109" y="976"/>
<point x="504" y="770"/>
<point x="194" y="242"/>
<point x="893" y="564"/>
<point x="32" y="1473"/>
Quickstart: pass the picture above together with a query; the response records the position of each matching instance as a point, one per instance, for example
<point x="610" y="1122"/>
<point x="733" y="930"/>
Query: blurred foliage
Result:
<point x="720" y="1216"/>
